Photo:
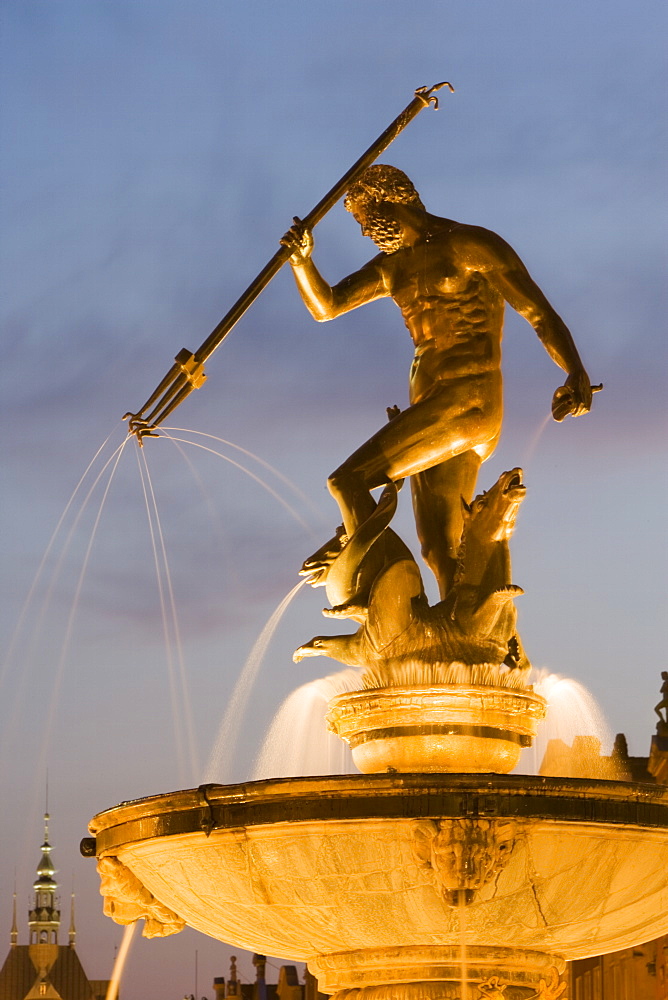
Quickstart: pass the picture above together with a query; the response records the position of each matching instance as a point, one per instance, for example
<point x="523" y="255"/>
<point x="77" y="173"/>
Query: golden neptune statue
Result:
<point x="450" y="281"/>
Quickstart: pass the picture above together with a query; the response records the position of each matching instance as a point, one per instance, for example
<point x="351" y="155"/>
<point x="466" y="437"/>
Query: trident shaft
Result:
<point x="187" y="372"/>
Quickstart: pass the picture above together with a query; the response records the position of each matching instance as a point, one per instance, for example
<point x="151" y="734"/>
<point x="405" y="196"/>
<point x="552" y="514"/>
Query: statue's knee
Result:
<point x="341" y="482"/>
<point x="334" y="483"/>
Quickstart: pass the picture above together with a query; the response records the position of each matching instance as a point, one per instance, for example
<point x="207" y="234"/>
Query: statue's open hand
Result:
<point x="574" y="396"/>
<point x="298" y="239"/>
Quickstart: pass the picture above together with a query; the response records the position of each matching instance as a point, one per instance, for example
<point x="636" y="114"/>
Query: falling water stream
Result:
<point x="297" y="742"/>
<point x="27" y="604"/>
<point x="228" y="731"/>
<point x="572" y="711"/>
<point x="98" y="476"/>
<point x="249" y="454"/>
<point x="533" y="443"/>
<point x="119" y="963"/>
<point x="463" y="953"/>
<point x="178" y="685"/>
<point x="258" y="479"/>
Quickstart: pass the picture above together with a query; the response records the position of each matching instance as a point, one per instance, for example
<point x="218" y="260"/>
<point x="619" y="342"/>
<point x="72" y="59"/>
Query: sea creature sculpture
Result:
<point x="474" y="624"/>
<point x="347" y="568"/>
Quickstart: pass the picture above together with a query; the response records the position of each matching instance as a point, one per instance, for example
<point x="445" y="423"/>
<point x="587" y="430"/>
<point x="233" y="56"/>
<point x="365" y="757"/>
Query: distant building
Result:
<point x="44" y="968"/>
<point x="288" y="986"/>
<point x="632" y="974"/>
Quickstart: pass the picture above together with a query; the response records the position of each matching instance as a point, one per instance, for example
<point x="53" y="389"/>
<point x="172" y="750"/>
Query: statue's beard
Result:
<point x="385" y="232"/>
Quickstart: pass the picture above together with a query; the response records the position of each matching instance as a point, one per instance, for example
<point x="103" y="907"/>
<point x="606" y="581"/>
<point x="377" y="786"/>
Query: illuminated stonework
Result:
<point x="454" y="728"/>
<point x="356" y="874"/>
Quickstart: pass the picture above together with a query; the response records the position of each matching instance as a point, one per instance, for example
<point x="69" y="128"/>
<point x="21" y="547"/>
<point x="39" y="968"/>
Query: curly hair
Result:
<point x="380" y="182"/>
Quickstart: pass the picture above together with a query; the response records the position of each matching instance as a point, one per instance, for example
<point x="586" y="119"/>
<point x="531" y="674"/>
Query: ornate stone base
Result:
<point x="444" y="728"/>
<point x="433" y="972"/>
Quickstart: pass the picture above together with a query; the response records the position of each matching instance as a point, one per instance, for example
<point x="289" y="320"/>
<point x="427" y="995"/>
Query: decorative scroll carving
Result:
<point x="552" y="990"/>
<point x="404" y="991"/>
<point x="494" y="989"/>
<point x="463" y="855"/>
<point x="127" y="900"/>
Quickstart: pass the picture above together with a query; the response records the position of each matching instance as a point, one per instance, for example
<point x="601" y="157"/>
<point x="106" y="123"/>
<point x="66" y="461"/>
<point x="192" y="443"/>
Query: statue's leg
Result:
<point x="437" y="504"/>
<point x="454" y="419"/>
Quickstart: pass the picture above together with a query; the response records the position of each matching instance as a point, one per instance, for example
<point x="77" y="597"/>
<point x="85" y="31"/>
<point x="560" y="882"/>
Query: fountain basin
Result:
<point x="452" y="728"/>
<point x="354" y="874"/>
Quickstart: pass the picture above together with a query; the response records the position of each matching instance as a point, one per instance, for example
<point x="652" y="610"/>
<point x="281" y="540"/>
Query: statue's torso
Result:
<point x="454" y="314"/>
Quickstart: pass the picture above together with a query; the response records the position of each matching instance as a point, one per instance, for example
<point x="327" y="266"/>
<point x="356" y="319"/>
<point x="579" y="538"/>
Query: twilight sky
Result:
<point x="152" y="155"/>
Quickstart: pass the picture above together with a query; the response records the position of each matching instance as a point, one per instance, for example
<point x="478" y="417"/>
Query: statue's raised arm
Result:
<point x="322" y="300"/>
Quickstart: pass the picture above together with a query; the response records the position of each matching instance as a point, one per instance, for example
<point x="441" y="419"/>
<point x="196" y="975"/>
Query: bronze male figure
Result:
<point x="451" y="282"/>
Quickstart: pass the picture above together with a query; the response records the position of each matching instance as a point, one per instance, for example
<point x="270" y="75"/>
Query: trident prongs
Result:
<point x="427" y="96"/>
<point x="140" y="427"/>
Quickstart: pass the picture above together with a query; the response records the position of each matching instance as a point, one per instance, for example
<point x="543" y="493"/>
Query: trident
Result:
<point x="187" y="372"/>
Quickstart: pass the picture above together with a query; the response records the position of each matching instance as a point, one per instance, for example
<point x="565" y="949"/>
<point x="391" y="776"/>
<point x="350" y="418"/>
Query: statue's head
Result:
<point x="370" y="201"/>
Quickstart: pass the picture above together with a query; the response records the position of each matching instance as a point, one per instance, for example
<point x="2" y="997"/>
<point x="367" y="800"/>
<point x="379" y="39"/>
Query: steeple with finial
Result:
<point x="233" y="981"/>
<point x="44" y="918"/>
<point x="72" y="930"/>
<point x="14" y="933"/>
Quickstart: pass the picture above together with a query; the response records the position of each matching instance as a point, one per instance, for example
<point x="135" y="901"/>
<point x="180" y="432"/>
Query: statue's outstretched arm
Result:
<point x="323" y="301"/>
<point x="507" y="273"/>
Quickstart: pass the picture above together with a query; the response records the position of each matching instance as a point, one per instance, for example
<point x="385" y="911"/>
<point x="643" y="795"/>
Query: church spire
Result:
<point x="73" y="930"/>
<point x="14" y="933"/>
<point x="44" y="918"/>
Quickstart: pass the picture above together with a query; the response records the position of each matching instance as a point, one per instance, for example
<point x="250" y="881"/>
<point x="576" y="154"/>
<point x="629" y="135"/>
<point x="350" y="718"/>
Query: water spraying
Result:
<point x="572" y="714"/>
<point x="180" y="695"/>
<point x="228" y="732"/>
<point x="119" y="964"/>
<point x="533" y="443"/>
<point x="258" y="479"/>
<point x="256" y="458"/>
<point x="69" y="628"/>
<point x="27" y="604"/>
<point x="297" y="742"/>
